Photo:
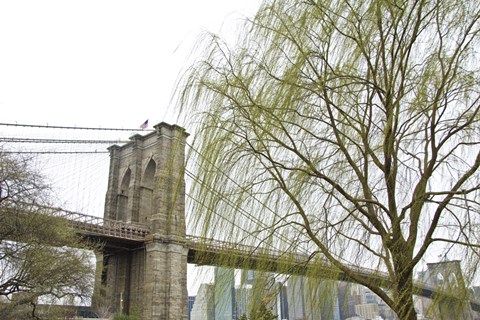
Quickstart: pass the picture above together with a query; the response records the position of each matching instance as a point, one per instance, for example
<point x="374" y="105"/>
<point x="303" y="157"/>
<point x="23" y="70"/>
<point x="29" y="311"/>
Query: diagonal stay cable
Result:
<point x="243" y="212"/>
<point x="248" y="232"/>
<point x="261" y="223"/>
<point x="229" y="203"/>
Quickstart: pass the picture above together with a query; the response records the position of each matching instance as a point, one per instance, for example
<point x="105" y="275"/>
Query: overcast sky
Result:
<point x="96" y="63"/>
<point x="108" y="63"/>
<point x="99" y="63"/>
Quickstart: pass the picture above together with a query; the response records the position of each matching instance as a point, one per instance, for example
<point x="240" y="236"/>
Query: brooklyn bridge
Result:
<point x="145" y="248"/>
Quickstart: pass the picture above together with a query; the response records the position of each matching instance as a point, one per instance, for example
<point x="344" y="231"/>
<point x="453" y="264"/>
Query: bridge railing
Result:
<point x="258" y="252"/>
<point x="221" y="247"/>
<point x="101" y="226"/>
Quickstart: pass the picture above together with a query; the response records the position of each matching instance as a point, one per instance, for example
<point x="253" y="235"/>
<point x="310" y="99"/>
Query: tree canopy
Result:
<point x="262" y="313"/>
<point x="345" y="129"/>
<point x="39" y="253"/>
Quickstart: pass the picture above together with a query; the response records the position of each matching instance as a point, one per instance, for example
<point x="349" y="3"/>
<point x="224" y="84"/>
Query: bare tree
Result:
<point x="346" y="129"/>
<point x="39" y="254"/>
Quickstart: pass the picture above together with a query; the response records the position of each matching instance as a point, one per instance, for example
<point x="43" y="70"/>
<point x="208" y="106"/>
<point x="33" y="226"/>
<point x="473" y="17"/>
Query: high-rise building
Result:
<point x="312" y="299"/>
<point x="247" y="277"/>
<point x="347" y="299"/>
<point x="242" y="299"/>
<point x="191" y="301"/>
<point x="204" y="307"/>
<point x="281" y="307"/>
<point x="257" y="288"/>
<point x="224" y="293"/>
<point x="296" y="298"/>
<point x="367" y="310"/>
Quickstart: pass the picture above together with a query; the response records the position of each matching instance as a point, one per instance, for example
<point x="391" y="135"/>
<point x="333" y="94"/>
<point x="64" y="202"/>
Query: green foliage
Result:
<point x="262" y="313"/>
<point x="133" y="315"/>
<point x="121" y="316"/>
<point x="33" y="311"/>
<point x="344" y="130"/>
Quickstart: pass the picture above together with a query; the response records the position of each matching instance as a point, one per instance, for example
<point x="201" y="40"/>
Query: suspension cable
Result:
<point x="72" y="127"/>
<point x="66" y="141"/>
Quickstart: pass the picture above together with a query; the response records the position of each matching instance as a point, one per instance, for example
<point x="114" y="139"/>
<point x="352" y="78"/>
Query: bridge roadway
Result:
<point x="204" y="251"/>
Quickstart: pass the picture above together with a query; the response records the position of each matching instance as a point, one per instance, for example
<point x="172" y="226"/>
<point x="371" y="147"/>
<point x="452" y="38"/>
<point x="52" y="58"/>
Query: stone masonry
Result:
<point x="146" y="187"/>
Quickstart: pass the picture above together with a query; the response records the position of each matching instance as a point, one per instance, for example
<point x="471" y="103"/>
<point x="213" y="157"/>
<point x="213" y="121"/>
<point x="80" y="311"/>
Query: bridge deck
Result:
<point x="211" y="252"/>
<point x="104" y="227"/>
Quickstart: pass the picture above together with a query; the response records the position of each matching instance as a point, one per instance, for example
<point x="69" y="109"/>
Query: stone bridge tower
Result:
<point x="146" y="187"/>
<point x="447" y="277"/>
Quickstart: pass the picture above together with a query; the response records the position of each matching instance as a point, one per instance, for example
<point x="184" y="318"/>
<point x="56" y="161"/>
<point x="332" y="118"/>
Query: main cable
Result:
<point x="72" y="128"/>
<point x="54" y="152"/>
<point x="66" y="141"/>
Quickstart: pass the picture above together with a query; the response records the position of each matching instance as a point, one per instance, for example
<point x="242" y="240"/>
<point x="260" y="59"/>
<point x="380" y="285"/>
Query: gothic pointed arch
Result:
<point x="148" y="178"/>
<point x="147" y="191"/>
<point x="122" y="198"/>
<point x="125" y="181"/>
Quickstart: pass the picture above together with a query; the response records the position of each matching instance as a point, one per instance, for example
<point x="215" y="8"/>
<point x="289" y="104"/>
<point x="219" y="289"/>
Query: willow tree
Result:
<point x="348" y="130"/>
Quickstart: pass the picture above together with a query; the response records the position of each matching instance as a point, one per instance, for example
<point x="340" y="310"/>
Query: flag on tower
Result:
<point x="144" y="125"/>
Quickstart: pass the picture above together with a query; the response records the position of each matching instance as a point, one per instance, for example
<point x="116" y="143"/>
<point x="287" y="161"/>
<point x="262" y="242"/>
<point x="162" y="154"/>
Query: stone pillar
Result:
<point x="99" y="291"/>
<point x="113" y="181"/>
<point x="165" y="289"/>
<point x="136" y="161"/>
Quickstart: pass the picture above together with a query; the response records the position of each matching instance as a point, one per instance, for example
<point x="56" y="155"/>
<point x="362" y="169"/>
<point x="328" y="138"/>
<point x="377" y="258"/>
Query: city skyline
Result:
<point x="346" y="300"/>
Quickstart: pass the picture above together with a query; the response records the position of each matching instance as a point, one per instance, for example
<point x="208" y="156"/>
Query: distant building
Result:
<point x="296" y="298"/>
<point x="242" y="295"/>
<point x="204" y="307"/>
<point x="247" y="277"/>
<point x="304" y="299"/>
<point x="330" y="307"/>
<point x="476" y="293"/>
<point x="367" y="310"/>
<point x="281" y="302"/>
<point x="258" y="288"/>
<point x="224" y="293"/>
<point x="312" y="300"/>
<point x="358" y="302"/>
<point x="385" y="311"/>
<point x="348" y="297"/>
<point x="191" y="301"/>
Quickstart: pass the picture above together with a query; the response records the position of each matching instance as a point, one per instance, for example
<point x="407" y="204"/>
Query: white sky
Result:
<point x="108" y="63"/>
<point x="100" y="63"/>
<point x="97" y="63"/>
